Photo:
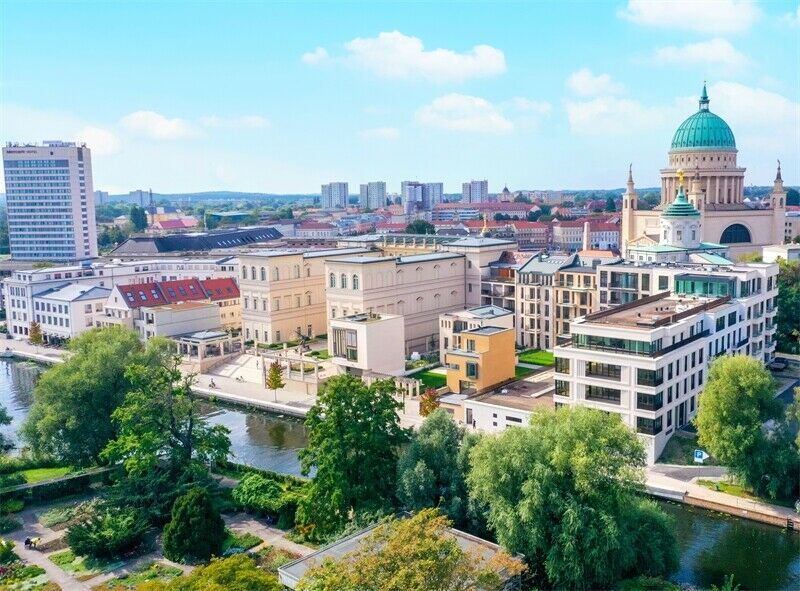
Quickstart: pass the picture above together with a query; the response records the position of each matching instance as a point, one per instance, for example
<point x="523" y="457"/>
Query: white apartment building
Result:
<point x="451" y="323"/>
<point x="648" y="360"/>
<point x="334" y="195"/>
<point x="21" y="287"/>
<point x="368" y="343"/>
<point x="372" y="195"/>
<point x="283" y="292"/>
<point x="417" y="287"/>
<point x="416" y="195"/>
<point x="475" y="191"/>
<point x="67" y="311"/>
<point x="50" y="201"/>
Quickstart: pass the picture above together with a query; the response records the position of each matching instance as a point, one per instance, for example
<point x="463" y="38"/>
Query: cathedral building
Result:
<point x="704" y="149"/>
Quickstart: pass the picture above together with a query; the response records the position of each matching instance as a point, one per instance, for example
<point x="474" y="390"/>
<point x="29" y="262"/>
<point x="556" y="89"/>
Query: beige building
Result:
<point x="452" y="323"/>
<point x="368" y="343"/>
<point x="704" y="148"/>
<point x="417" y="287"/>
<point x="283" y="292"/>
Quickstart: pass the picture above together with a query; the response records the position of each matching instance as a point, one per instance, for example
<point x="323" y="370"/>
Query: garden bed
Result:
<point x="272" y="558"/>
<point x="236" y="542"/>
<point x="147" y="571"/>
<point x="19" y="576"/>
<point x="83" y="568"/>
<point x="537" y="357"/>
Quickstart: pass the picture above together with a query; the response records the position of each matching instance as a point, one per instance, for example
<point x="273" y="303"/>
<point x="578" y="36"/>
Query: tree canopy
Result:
<point x="353" y="444"/>
<point x="73" y="401"/>
<point x="788" y="333"/>
<point x="196" y="530"/>
<point x="421" y="227"/>
<point x="564" y="492"/>
<point x="414" y="554"/>
<point x="237" y="573"/>
<point x="738" y="400"/>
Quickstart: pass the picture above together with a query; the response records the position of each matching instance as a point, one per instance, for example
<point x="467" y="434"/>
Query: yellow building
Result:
<point x="480" y="359"/>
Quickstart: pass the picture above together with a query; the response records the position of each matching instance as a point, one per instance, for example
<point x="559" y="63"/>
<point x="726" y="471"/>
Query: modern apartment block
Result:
<point x="452" y="323"/>
<point x="20" y="289"/>
<point x="480" y="359"/>
<point x="417" y="287"/>
<point x="334" y="195"/>
<point x="417" y="195"/>
<point x="50" y="201"/>
<point x="372" y="195"/>
<point x="648" y="360"/>
<point x="283" y="292"/>
<point x="475" y="191"/>
<point x="368" y="343"/>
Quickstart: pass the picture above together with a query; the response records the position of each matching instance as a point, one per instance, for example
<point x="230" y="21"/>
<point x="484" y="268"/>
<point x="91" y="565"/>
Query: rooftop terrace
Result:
<point x="657" y="310"/>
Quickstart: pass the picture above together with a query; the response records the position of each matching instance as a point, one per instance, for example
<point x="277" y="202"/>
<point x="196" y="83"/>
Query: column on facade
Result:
<point x="725" y="190"/>
<point x="716" y="189"/>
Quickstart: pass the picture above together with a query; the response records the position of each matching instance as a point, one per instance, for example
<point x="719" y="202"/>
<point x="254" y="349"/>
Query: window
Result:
<point x="649" y="401"/>
<point x="472" y="370"/>
<point x="470" y="344"/>
<point x="601" y="394"/>
<point x="297" y="271"/>
<point x="513" y="420"/>
<point x="562" y="365"/>
<point x="263" y="274"/>
<point x="648" y="426"/>
<point x="252" y="273"/>
<point x="332" y="280"/>
<point x="276" y="274"/>
<point x="735" y="233"/>
<point x="345" y="344"/>
<point x="244" y="272"/>
<point x="663" y="283"/>
<point x="355" y="282"/>
<point x="649" y="377"/>
<point x="343" y="281"/>
<point x="562" y="388"/>
<point x="603" y="370"/>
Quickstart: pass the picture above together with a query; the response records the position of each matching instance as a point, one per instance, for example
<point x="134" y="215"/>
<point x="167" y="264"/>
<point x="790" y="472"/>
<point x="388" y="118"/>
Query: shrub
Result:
<point x="107" y="535"/>
<point x="265" y="495"/>
<point x="8" y="523"/>
<point x="11" y="506"/>
<point x="7" y="551"/>
<point x="196" y="531"/>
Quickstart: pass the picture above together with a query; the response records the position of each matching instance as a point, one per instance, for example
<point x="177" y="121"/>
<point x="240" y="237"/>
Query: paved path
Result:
<point x="687" y="473"/>
<point x="243" y="522"/>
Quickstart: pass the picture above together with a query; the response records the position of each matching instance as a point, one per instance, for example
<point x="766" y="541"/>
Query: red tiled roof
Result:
<point x="142" y="294"/>
<point x="390" y="226"/>
<point x="479" y="224"/>
<point x="220" y="289"/>
<point x="170" y="224"/>
<point x="182" y="290"/>
<point x="487" y="205"/>
<point x="520" y="225"/>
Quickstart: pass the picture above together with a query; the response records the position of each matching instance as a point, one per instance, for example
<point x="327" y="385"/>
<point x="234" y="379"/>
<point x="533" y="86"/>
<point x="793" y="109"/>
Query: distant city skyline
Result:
<point x="264" y="98"/>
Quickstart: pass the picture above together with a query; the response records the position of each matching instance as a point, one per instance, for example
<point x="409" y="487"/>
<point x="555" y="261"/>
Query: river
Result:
<point x="711" y="545"/>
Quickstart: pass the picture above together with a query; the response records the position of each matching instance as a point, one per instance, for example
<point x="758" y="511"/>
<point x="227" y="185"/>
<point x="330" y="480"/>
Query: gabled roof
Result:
<point x="220" y="289"/>
<point x="181" y="290"/>
<point x="142" y="294"/>
<point x="197" y="241"/>
<point x="74" y="292"/>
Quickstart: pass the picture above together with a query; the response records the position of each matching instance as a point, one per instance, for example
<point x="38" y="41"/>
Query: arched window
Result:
<point x="275" y="274"/>
<point x="735" y="233"/>
<point x="355" y="281"/>
<point x="244" y="272"/>
<point x="343" y="281"/>
<point x="252" y="273"/>
<point x="263" y="274"/>
<point x="308" y="298"/>
<point x="297" y="271"/>
<point x="332" y="280"/>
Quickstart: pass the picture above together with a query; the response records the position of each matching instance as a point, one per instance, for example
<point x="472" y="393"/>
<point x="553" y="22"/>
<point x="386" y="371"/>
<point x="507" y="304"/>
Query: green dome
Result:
<point x="703" y="131"/>
<point x="680" y="207"/>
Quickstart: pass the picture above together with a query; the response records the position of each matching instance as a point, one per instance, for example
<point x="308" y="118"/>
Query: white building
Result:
<point x="475" y="191"/>
<point x="67" y="311"/>
<point x="432" y="194"/>
<point x="648" y="360"/>
<point x="373" y="195"/>
<point x="368" y="343"/>
<point x="334" y="195"/>
<point x="785" y="252"/>
<point x="50" y="201"/>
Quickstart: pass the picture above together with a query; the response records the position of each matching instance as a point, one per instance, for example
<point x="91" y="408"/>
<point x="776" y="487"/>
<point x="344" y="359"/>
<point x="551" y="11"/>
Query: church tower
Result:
<point x="630" y="203"/>
<point x="777" y="201"/>
<point x="680" y="221"/>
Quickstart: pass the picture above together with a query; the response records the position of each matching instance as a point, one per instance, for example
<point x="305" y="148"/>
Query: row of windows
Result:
<point x="342" y="281"/>
<point x="276" y="274"/>
<point x="8" y="164"/>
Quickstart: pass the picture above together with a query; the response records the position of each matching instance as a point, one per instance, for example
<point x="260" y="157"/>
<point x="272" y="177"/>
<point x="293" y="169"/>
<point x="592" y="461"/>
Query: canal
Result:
<point x="711" y="545"/>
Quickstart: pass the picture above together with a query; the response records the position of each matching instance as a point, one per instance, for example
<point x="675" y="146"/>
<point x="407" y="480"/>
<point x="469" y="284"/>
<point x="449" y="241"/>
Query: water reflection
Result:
<point x="713" y="545"/>
<point x="17" y="380"/>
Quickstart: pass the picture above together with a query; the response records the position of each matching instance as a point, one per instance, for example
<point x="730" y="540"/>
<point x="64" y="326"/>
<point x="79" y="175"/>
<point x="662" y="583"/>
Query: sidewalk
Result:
<point x="694" y="494"/>
<point x="243" y="522"/>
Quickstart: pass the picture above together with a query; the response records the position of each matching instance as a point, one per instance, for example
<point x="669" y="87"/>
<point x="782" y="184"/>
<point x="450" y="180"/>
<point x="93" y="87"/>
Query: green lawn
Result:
<point x="83" y="568"/>
<point x="738" y="490"/>
<point x="430" y="379"/>
<point x="245" y="541"/>
<point x="521" y="372"/>
<point x="39" y="474"/>
<point x="680" y="450"/>
<point x="149" y="571"/>
<point x="537" y="357"/>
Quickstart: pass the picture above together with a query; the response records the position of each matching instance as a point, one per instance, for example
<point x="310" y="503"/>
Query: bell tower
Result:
<point x="777" y="200"/>
<point x="630" y="203"/>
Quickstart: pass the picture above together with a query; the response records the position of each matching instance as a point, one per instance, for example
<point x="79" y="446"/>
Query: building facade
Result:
<point x="475" y="191"/>
<point x="65" y="312"/>
<point x="334" y="195"/>
<point x="480" y="359"/>
<point x="452" y="323"/>
<point x="372" y="195"/>
<point x="50" y="201"/>
<point x="368" y="343"/>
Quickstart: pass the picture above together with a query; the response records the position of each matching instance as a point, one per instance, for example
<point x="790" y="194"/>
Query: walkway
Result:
<point x="245" y="523"/>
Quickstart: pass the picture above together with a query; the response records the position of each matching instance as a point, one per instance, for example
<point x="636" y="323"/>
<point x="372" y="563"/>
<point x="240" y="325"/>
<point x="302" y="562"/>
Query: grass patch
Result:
<point x="680" y="451"/>
<point x="148" y="571"/>
<point x="321" y="354"/>
<point x="242" y="541"/>
<point x="19" y="576"/>
<point x="272" y="558"/>
<point x="737" y="490"/>
<point x="521" y="372"/>
<point x="430" y="379"/>
<point x="537" y="357"/>
<point x="83" y="568"/>
<point x="64" y="515"/>
<point x="39" y="474"/>
<point x="643" y="583"/>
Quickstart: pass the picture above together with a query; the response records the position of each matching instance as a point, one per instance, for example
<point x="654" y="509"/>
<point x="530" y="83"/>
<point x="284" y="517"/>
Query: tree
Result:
<point x="792" y="197"/>
<point x="138" y="218"/>
<point x="739" y="398"/>
<point x="160" y="422"/>
<point x="35" y="334"/>
<point x="565" y="492"/>
<point x="420" y="227"/>
<point x="788" y="333"/>
<point x="610" y="204"/>
<point x="5" y="419"/>
<point x="521" y="199"/>
<point x="196" y="531"/>
<point x="428" y="472"/>
<point x="275" y="378"/>
<point x="353" y="443"/>
<point x="237" y="573"/>
<point x="414" y="554"/>
<point x="108" y="534"/>
<point x="428" y="402"/>
<point x="70" y="418"/>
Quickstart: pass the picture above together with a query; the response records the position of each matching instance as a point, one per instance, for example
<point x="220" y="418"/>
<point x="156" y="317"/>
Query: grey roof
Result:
<point x="488" y="311"/>
<point x="485" y="330"/>
<point x="363" y="260"/>
<point x="335" y="252"/>
<point x="433" y="256"/>
<point x="547" y="265"/>
<point x="196" y="241"/>
<point x="203" y="335"/>
<point x="480" y="242"/>
<point x="75" y="292"/>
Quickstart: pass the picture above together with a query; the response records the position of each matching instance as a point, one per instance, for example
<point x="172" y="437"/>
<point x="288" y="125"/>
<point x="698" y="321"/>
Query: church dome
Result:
<point x="704" y="131"/>
<point x="680" y="207"/>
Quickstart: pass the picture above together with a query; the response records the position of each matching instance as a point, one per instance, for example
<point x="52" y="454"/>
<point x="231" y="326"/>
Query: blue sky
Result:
<point x="281" y="97"/>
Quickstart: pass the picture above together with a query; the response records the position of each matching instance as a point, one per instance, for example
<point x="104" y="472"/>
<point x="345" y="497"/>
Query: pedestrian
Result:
<point x="27" y="542"/>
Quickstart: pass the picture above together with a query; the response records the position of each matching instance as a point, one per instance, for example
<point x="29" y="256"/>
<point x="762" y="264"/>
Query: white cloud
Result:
<point x="320" y="54"/>
<point x="704" y="16"/>
<point x="381" y="133"/>
<point x="718" y="52"/>
<point x="101" y="141"/>
<point x="459" y="112"/>
<point x="243" y="122"/>
<point x="526" y="105"/>
<point x="793" y="18"/>
<point x="584" y="83"/>
<point x="614" y="116"/>
<point x="395" y="55"/>
<point x="155" y="126"/>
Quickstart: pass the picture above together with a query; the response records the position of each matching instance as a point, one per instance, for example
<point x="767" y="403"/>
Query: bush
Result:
<point x="107" y="535"/>
<point x="11" y="506"/>
<point x="264" y="495"/>
<point x="196" y="531"/>
<point x="8" y="523"/>
<point x="7" y="551"/>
